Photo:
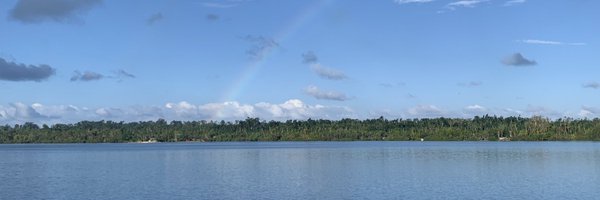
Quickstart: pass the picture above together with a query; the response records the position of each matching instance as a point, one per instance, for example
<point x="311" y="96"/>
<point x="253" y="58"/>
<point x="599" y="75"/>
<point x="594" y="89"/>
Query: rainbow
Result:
<point x="253" y="68"/>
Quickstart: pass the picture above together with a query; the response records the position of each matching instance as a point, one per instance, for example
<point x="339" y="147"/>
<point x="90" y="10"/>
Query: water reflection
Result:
<point x="319" y="170"/>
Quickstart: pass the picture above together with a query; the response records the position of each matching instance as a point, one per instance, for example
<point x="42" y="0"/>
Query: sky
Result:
<point x="63" y="61"/>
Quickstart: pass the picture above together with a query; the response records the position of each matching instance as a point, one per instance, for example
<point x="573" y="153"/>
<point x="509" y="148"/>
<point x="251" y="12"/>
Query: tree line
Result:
<point x="489" y="128"/>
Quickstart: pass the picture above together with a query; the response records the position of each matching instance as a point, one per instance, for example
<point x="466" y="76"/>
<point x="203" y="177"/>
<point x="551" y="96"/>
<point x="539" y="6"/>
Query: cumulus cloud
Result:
<point x="183" y="109"/>
<point x="36" y="11"/>
<point x="52" y="114"/>
<point x="296" y="109"/>
<point x="518" y="60"/>
<point x="130" y="113"/>
<point x="230" y="109"/>
<point x="22" y="111"/>
<point x="549" y="42"/>
<point x="54" y="111"/>
<point x="475" y="110"/>
<point x="591" y="85"/>
<point x="19" y="113"/>
<point x="212" y="17"/>
<point x="11" y="71"/>
<point x="411" y="1"/>
<point x="315" y="92"/>
<point x="108" y="112"/>
<point x="514" y="2"/>
<point x="233" y="110"/>
<point x="260" y="46"/>
<point x="154" y="18"/>
<point x="309" y="58"/>
<point x="471" y="84"/>
<point x="588" y="112"/>
<point x="328" y="73"/>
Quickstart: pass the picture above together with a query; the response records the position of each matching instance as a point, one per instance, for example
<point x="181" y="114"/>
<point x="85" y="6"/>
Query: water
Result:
<point x="302" y="170"/>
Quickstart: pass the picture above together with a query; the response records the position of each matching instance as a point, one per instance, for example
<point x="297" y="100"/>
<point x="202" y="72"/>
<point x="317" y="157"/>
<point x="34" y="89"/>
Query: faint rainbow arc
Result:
<point x="253" y="68"/>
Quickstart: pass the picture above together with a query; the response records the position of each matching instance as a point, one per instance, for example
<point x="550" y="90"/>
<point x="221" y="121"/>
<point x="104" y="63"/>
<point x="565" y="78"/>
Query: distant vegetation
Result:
<point x="253" y="129"/>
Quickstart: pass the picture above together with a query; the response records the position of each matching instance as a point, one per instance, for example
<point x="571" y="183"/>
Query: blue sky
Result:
<point x="64" y="60"/>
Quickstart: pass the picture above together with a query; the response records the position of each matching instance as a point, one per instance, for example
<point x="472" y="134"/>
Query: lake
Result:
<point x="302" y="170"/>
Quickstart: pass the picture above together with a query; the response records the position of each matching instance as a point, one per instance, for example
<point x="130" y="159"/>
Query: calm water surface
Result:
<point x="302" y="170"/>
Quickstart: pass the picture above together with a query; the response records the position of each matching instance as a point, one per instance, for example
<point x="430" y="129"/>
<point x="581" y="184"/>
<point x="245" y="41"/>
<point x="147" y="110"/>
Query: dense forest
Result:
<point x="490" y="128"/>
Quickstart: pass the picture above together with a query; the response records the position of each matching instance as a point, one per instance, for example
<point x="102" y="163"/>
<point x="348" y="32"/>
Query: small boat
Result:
<point x="151" y="140"/>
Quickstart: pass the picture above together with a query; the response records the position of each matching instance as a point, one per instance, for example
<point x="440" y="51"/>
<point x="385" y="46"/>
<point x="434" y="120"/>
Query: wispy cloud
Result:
<point x="391" y="85"/>
<point x="260" y="46"/>
<point x="411" y="1"/>
<point x="123" y="74"/>
<point x="11" y="71"/>
<point x="514" y="2"/>
<point x="154" y="18"/>
<point x="86" y="76"/>
<point x="549" y="42"/>
<point x="464" y="3"/>
<point x="518" y="60"/>
<point x="309" y="58"/>
<point x="36" y="11"/>
<point x="315" y="92"/>
<point x="425" y="111"/>
<point x="533" y="110"/>
<point x="94" y="76"/>
<point x="219" y="5"/>
<point x="591" y="85"/>
<point x="223" y="3"/>
<point x="470" y="84"/>
<point x="212" y="17"/>
<point x="328" y="73"/>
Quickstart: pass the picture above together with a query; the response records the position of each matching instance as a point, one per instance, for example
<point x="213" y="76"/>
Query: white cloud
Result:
<point x="183" y="109"/>
<point x="514" y="2"/>
<point x="464" y="3"/>
<point x="109" y="113"/>
<point x="227" y="110"/>
<point x="475" y="108"/>
<point x="233" y="110"/>
<point x="315" y="92"/>
<point x="296" y="109"/>
<point x="412" y="1"/>
<point x="328" y="73"/>
<point x="589" y="112"/>
<point x="223" y="3"/>
<point x="549" y="42"/>
<point x="54" y="111"/>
